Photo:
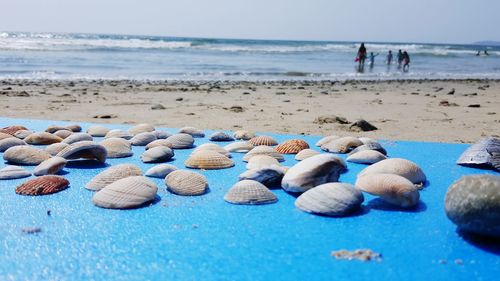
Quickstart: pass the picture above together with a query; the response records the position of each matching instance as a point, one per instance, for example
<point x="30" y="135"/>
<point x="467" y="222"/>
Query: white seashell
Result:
<point x="326" y="140"/>
<point x="221" y="136"/>
<point x="160" y="171"/>
<point x="341" y="145"/>
<point x="13" y="172"/>
<point x="181" y="141"/>
<point x="157" y="154"/>
<point x="42" y="138"/>
<point x="159" y="142"/>
<point x="305" y="153"/>
<point x="214" y="147"/>
<point x="117" y="133"/>
<point x="162" y="134"/>
<point x="97" y="131"/>
<point x="142" y="139"/>
<point x="50" y="166"/>
<point x="249" y="192"/>
<point x="141" y="128"/>
<point x="76" y="137"/>
<point x="10" y="142"/>
<point x="366" y="157"/>
<point x="126" y="193"/>
<point x="84" y="149"/>
<point x="392" y="188"/>
<point x="208" y="160"/>
<point x="187" y="183"/>
<point x="192" y="131"/>
<point x="25" y="155"/>
<point x="366" y="140"/>
<point x="5" y="135"/>
<point x="21" y="134"/>
<point x="239" y="147"/>
<point x="269" y="176"/>
<point x="55" y="148"/>
<point x="117" y="147"/>
<point x="63" y="133"/>
<point x="330" y="199"/>
<point x="263" y="150"/>
<point x="370" y="146"/>
<point x="398" y="166"/>
<point x="243" y="135"/>
<point x="113" y="174"/>
<point x="261" y="161"/>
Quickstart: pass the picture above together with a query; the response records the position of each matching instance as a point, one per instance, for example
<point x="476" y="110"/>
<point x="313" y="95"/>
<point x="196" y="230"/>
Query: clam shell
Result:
<point x="214" y="147"/>
<point x="249" y="192"/>
<point x="263" y="150"/>
<point x="263" y="140"/>
<point x="159" y="142"/>
<point x="221" y="136"/>
<point x="239" y="147"/>
<point x="22" y="134"/>
<point x="366" y="140"/>
<point x="97" y="131"/>
<point x="117" y="147"/>
<point x="341" y="145"/>
<point x="142" y="139"/>
<point x="162" y="134"/>
<point x="243" y="135"/>
<point x="76" y="137"/>
<point x="160" y="171"/>
<point x="25" y="155"/>
<point x="398" y="166"/>
<point x="269" y="176"/>
<point x="84" y="149"/>
<point x="330" y="199"/>
<point x="13" y="172"/>
<point x="63" y="133"/>
<point x="157" y="154"/>
<point x="74" y="128"/>
<point x="392" y="188"/>
<point x="50" y="166"/>
<point x="326" y="140"/>
<point x="305" y="153"/>
<point x="313" y="171"/>
<point x="11" y="130"/>
<point x="113" y="174"/>
<point x="369" y="146"/>
<point x="366" y="157"/>
<point x="480" y="153"/>
<point x="141" y="128"/>
<point x="43" y="185"/>
<point x="42" y="138"/>
<point x="292" y="146"/>
<point x="194" y="132"/>
<point x="261" y="161"/>
<point x="54" y="128"/>
<point x="181" y="141"/>
<point x="55" y="148"/>
<point x="117" y="133"/>
<point x="5" y="135"/>
<point x="10" y="142"/>
<point x="208" y="160"/>
<point x="495" y="161"/>
<point x="126" y="193"/>
<point x="187" y="183"/>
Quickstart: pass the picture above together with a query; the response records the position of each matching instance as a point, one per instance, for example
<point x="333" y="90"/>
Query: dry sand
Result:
<point x="401" y="110"/>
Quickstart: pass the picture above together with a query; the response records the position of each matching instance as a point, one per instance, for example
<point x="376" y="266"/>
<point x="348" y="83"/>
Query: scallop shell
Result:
<point x="194" y="132"/>
<point x="76" y="137"/>
<point x="398" y="166"/>
<point x="84" y="149"/>
<point x="366" y="157"/>
<point x="50" y="166"/>
<point x="142" y="139"/>
<point x="331" y="199"/>
<point x="25" y="155"/>
<point x="221" y="136"/>
<point x="263" y="140"/>
<point x="239" y="147"/>
<point x="326" y="140"/>
<point x="160" y="171"/>
<point x="113" y="174"/>
<point x="54" y="128"/>
<point x="263" y="150"/>
<point x="43" y="185"/>
<point x="5" y="135"/>
<point x="187" y="183"/>
<point x="10" y="142"/>
<point x="208" y="160"/>
<point x="117" y="147"/>
<point x="74" y="128"/>
<point x="126" y="193"/>
<point x="22" y="134"/>
<point x="341" y="145"/>
<point x="243" y="135"/>
<point x="159" y="142"/>
<point x="11" y="130"/>
<point x="55" y="148"/>
<point x="269" y="176"/>
<point x="292" y="146"/>
<point x="117" y="133"/>
<point x="13" y="172"/>
<point x="157" y="154"/>
<point x="181" y="141"/>
<point x="392" y="188"/>
<point x="162" y="134"/>
<point x="480" y="153"/>
<point x="249" y="192"/>
<point x="141" y="128"/>
<point x="42" y="138"/>
<point x="369" y="146"/>
<point x="97" y="131"/>
<point x="214" y="147"/>
<point x="261" y="161"/>
<point x="313" y="171"/>
<point x="63" y="133"/>
<point x="305" y="153"/>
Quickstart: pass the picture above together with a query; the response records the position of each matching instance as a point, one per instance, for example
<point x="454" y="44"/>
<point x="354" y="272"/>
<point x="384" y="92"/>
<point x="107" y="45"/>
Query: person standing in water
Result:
<point x="389" y="57"/>
<point x="372" y="58"/>
<point x="361" y="56"/>
<point x="400" y="58"/>
<point x="406" y="61"/>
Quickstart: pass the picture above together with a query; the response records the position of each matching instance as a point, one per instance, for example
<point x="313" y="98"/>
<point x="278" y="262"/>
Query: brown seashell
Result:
<point x="214" y="147"/>
<point x="126" y="193"/>
<point x="326" y="140"/>
<point x="394" y="189"/>
<point x="292" y="146"/>
<point x="187" y="183"/>
<point x="243" y="135"/>
<point x="239" y="147"/>
<point x="341" y="145"/>
<point x="181" y="141"/>
<point x="117" y="133"/>
<point x="76" y="137"/>
<point x="43" y="185"/>
<point x="366" y="157"/>
<point x="42" y="138"/>
<point x="10" y="142"/>
<point x="250" y="192"/>
<point x="25" y="155"/>
<point x="221" y="136"/>
<point x="13" y="172"/>
<point x="141" y="128"/>
<point x="398" y="166"/>
<point x="208" y="160"/>
<point x="54" y="128"/>
<point x="263" y="140"/>
<point x="261" y="161"/>
<point x="194" y="132"/>
<point x="84" y="149"/>
<point x="306" y="153"/>
<point x="50" y="166"/>
<point x="142" y="139"/>
<point x="5" y="135"/>
<point x="74" y="128"/>
<point x="263" y="150"/>
<point x="117" y="147"/>
<point x="22" y="134"/>
<point x="11" y="130"/>
<point x="159" y="142"/>
<point x="97" y="131"/>
<point x="113" y="174"/>
<point x="55" y="148"/>
<point x="63" y="133"/>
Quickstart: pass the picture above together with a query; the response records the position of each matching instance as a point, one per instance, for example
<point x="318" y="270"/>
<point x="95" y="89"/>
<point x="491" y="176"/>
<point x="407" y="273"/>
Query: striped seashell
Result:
<point x="392" y="188"/>
<point x="331" y="199"/>
<point x="117" y="133"/>
<point x="263" y="150"/>
<point x="5" y="135"/>
<point x="43" y="185"/>
<point x="239" y="147"/>
<point x="483" y="153"/>
<point x="142" y="139"/>
<point x="292" y="146"/>
<point x="162" y="134"/>
<point x="160" y="171"/>
<point x="221" y="136"/>
<point x="97" y="131"/>
<point x="55" y="148"/>
<point x="305" y="153"/>
<point x="63" y="133"/>
<point x="157" y="154"/>
<point x="74" y="128"/>
<point x="76" y="137"/>
<point x="186" y="183"/>
<point x="22" y="134"/>
<point x="181" y="141"/>
<point x="370" y="146"/>
<point x="263" y="140"/>
<point x="113" y="174"/>
<point x="194" y="132"/>
<point x="208" y="160"/>
<point x="366" y="140"/>
<point x="126" y="193"/>
<point x="11" y="130"/>
<point x="261" y="161"/>
<point x="54" y="128"/>
<point x="13" y="172"/>
<point x="50" y="166"/>
<point x="341" y="145"/>
<point x="397" y="166"/>
<point x="326" y="140"/>
<point x="84" y="149"/>
<point x="42" y="138"/>
<point x="249" y="192"/>
<point x="214" y="147"/>
<point x="269" y="176"/>
<point x="141" y="128"/>
<point x="159" y="142"/>
<point x="366" y="157"/>
<point x="243" y="135"/>
<point x="117" y="147"/>
<point x="10" y="142"/>
<point x="25" y="155"/>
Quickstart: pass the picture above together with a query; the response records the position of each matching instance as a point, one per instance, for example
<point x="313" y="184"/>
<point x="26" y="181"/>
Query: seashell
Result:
<point x="76" y="137"/>
<point x="97" y="131"/>
<point x="25" y="155"/>
<point x="181" y="141"/>
<point x="249" y="192"/>
<point x="5" y="135"/>
<point x="263" y="140"/>
<point x="341" y="145"/>
<point x="84" y="149"/>
<point x="261" y="161"/>
<point x="187" y="183"/>
<point x="366" y="157"/>
<point x="292" y="146"/>
<point x="370" y="146"/>
<point x="54" y="128"/>
<point x="366" y="140"/>
<point x="221" y="136"/>
<point x="397" y="166"/>
<point x="243" y="135"/>
<point x="11" y="130"/>
<point x="326" y="140"/>
<point x="13" y="172"/>
<point x="55" y="148"/>
<point x="142" y="139"/>
<point x="214" y="147"/>
<point x="117" y="147"/>
<point x="480" y="153"/>
<point x="50" y="166"/>
<point x="162" y="134"/>
<point x="63" y="133"/>
<point x="43" y="185"/>
<point x="159" y="142"/>
<point x="113" y="174"/>
<point x="74" y="128"/>
<point x="239" y="146"/>
<point x="392" y="188"/>
<point x="126" y="193"/>
<point x="305" y="153"/>
<point x="208" y="160"/>
<point x="117" y="133"/>
<point x="194" y="132"/>
<point x="10" y="142"/>
<point x="160" y="171"/>
<point x="141" y="128"/>
<point x="22" y="134"/>
<point x="331" y="199"/>
<point x="157" y="154"/>
<point x="263" y="150"/>
<point x="42" y="138"/>
<point x="313" y="171"/>
<point x="495" y="160"/>
<point x="269" y="176"/>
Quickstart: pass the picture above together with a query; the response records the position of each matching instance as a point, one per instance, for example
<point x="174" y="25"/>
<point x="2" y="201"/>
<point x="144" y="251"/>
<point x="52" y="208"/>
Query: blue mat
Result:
<point x="206" y="238"/>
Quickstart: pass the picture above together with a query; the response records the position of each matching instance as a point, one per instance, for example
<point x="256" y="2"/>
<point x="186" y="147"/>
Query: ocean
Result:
<point x="97" y="56"/>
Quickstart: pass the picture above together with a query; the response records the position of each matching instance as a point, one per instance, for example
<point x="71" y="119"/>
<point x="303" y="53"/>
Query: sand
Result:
<point x="423" y="110"/>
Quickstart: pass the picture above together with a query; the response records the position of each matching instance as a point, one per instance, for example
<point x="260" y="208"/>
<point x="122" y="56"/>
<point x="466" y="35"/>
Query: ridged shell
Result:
<point x="117" y="147"/>
<point x="366" y="157"/>
<point x="394" y="189"/>
<point x="214" y="147"/>
<point x="54" y="128"/>
<point x="126" y="193"/>
<point x="84" y="149"/>
<point x="369" y="146"/>
<point x="331" y="199"/>
<point x="292" y="146"/>
<point x="63" y="133"/>
<point x="113" y="174"/>
<point x="97" y="131"/>
<point x="326" y="140"/>
<point x="480" y="153"/>
<point x="10" y="142"/>
<point x="186" y="183"/>
<point x="243" y="135"/>
<point x="305" y="153"/>
<point x="42" y="138"/>
<point x="77" y="137"/>
<point x="141" y="128"/>
<point x="117" y="133"/>
<point x="249" y="192"/>
<point x="341" y="145"/>
<point x="13" y="172"/>
<point x="208" y="160"/>
<point x="5" y="135"/>
<point x="398" y="166"/>
<point x="142" y="139"/>
<point x="11" y="130"/>
<point x="313" y="171"/>
<point x="22" y="134"/>
<point x="25" y="155"/>
<point x="181" y="141"/>
<point x="263" y="140"/>
<point x="160" y="171"/>
<point x="74" y="128"/>
<point x="221" y="136"/>
<point x="55" y="148"/>
<point x="260" y="161"/>
<point x="157" y="154"/>
<point x="50" y="166"/>
<point x="263" y="150"/>
<point x="43" y="185"/>
<point x="159" y="142"/>
<point x="194" y="132"/>
<point x="269" y="176"/>
<point x="162" y="134"/>
<point x="239" y="147"/>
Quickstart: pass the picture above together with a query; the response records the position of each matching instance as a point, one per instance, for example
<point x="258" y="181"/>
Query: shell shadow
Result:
<point x="86" y="164"/>
<point x="62" y="173"/>
<point x="485" y="243"/>
<point x="380" y="204"/>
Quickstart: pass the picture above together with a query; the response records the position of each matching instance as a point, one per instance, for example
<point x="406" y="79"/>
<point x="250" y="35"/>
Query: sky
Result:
<point x="433" y="21"/>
